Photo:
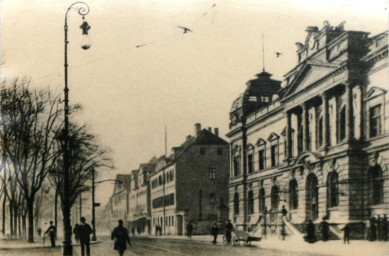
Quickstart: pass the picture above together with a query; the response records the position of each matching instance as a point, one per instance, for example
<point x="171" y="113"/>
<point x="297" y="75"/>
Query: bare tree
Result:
<point x="29" y="118"/>
<point x="85" y="155"/>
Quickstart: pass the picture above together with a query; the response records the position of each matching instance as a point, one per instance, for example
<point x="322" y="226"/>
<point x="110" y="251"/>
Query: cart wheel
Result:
<point x="235" y="240"/>
<point x="224" y="240"/>
<point x="247" y="243"/>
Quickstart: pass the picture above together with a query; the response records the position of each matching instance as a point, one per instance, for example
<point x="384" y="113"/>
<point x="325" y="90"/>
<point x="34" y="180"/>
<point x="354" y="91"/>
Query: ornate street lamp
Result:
<point x="83" y="10"/>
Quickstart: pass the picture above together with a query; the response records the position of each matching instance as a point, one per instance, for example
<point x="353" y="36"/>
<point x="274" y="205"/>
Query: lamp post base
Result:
<point x="67" y="249"/>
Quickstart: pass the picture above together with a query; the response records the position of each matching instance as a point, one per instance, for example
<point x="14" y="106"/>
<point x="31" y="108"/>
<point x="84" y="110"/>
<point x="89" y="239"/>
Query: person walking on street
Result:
<point x="214" y="233"/>
<point x="229" y="227"/>
<point x="189" y="230"/>
<point x="120" y="234"/>
<point x="85" y="231"/>
<point x="346" y="234"/>
<point x="39" y="231"/>
<point x="324" y="228"/>
<point x="51" y="230"/>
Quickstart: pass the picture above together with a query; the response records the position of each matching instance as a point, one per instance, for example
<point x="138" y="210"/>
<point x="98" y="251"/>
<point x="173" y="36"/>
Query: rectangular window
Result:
<point x="212" y="217"/>
<point x="274" y="155"/>
<point x="250" y="163"/>
<point x="202" y="150"/>
<point x="212" y="174"/>
<point x="375" y="121"/>
<point x="219" y="151"/>
<point x="261" y="159"/>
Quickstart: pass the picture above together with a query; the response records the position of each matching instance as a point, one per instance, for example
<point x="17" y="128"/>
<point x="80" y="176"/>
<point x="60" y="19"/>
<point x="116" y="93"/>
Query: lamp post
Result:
<point x="67" y="229"/>
<point x="94" y="204"/>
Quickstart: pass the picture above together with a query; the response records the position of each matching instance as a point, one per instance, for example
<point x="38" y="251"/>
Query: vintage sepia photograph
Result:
<point x="194" y="127"/>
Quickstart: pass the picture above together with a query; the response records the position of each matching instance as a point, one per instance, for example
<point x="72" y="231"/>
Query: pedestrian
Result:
<point x="384" y="224"/>
<point x="324" y="228"/>
<point x="310" y="237"/>
<point x="379" y="228"/>
<point x="85" y="231"/>
<point x="372" y="230"/>
<point x="229" y="227"/>
<point x="51" y="230"/>
<point x="120" y="234"/>
<point x="214" y="233"/>
<point x="189" y="230"/>
<point x="346" y="233"/>
<point x="76" y="232"/>
<point x="39" y="231"/>
<point x="284" y="212"/>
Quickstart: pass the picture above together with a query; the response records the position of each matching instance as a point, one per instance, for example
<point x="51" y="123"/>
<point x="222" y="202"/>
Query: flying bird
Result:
<point x="213" y="5"/>
<point x="140" y="45"/>
<point x="278" y="54"/>
<point x="186" y="30"/>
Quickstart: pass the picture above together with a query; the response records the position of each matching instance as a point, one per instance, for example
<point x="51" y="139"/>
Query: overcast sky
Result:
<point x="129" y="94"/>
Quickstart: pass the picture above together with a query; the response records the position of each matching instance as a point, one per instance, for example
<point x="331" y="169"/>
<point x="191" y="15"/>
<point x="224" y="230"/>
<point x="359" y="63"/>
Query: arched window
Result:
<point x="376" y="184"/>
<point x="236" y="203"/>
<point x="333" y="189"/>
<point x="250" y="201"/>
<point x="275" y="198"/>
<point x="262" y="200"/>
<point x="342" y="124"/>
<point x="293" y="195"/>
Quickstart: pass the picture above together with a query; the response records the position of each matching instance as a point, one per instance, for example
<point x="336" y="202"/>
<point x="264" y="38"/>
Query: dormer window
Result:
<point x="253" y="98"/>
<point x="265" y="99"/>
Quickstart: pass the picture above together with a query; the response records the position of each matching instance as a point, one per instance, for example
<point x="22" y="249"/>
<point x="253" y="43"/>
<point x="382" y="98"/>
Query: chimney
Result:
<point x="188" y="137"/>
<point x="216" y="131"/>
<point x="197" y="129"/>
<point x="210" y="129"/>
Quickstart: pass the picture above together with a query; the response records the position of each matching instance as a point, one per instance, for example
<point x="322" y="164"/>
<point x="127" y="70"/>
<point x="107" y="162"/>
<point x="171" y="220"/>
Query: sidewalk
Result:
<point x="296" y="244"/>
<point x="17" y="245"/>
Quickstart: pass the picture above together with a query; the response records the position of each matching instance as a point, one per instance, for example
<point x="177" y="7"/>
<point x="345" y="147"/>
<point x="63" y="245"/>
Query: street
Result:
<point x="158" y="247"/>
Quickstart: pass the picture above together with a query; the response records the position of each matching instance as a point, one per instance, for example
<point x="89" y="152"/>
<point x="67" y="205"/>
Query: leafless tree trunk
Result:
<point x="29" y="119"/>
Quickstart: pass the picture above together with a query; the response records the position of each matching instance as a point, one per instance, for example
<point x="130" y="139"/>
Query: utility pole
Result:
<point x="93" y="206"/>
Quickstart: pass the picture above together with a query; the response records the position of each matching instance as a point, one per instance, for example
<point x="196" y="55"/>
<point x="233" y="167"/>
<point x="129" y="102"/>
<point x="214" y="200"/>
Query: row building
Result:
<point x="188" y="186"/>
<point x="316" y="142"/>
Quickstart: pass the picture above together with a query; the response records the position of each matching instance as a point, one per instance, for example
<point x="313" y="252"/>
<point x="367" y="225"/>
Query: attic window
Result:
<point x="265" y="99"/>
<point x="253" y="98"/>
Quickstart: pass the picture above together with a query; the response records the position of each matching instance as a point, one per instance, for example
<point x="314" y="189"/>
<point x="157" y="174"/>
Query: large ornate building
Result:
<point x="316" y="143"/>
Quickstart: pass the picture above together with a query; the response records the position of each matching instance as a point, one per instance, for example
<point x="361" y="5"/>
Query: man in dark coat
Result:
<point x="229" y="227"/>
<point x="84" y="231"/>
<point x="51" y="230"/>
<point x="372" y="229"/>
<point x="324" y="229"/>
<point x="384" y="224"/>
<point x="214" y="233"/>
<point x="346" y="236"/>
<point x="189" y="230"/>
<point x="120" y="233"/>
<point x="311" y="237"/>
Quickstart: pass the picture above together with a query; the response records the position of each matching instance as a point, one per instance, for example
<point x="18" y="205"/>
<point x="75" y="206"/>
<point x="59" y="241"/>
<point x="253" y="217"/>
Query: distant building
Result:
<point x="191" y="185"/>
<point x="318" y="143"/>
<point x="140" y="203"/>
<point x="118" y="204"/>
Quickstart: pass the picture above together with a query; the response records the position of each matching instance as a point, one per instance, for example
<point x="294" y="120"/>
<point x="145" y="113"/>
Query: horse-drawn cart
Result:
<point x="240" y="235"/>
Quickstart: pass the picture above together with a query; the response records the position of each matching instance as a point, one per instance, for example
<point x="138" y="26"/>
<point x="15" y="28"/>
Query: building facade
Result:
<point x="118" y="204"/>
<point x="317" y="143"/>
<point x="191" y="185"/>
